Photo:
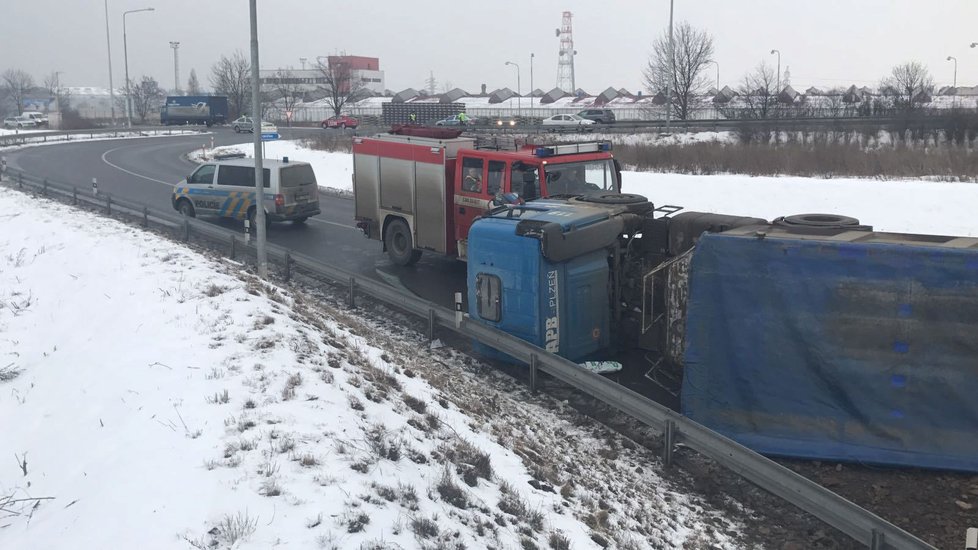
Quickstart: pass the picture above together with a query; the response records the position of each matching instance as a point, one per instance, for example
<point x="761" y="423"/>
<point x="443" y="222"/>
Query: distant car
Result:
<point x="505" y="121"/>
<point x="19" y="122"/>
<point x="604" y="116"/>
<point x="567" y="120"/>
<point x="340" y="121"/>
<point x="246" y="124"/>
<point x="38" y="117"/>
<point x="455" y="121"/>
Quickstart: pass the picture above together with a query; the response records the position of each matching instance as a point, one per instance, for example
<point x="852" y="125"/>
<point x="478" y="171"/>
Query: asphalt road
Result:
<point x="145" y="170"/>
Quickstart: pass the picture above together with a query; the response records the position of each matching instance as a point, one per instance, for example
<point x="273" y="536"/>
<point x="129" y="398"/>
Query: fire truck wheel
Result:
<point x="400" y="245"/>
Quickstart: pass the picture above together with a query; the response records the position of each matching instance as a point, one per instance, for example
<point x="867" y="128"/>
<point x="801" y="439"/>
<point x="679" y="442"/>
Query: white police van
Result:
<point x="226" y="188"/>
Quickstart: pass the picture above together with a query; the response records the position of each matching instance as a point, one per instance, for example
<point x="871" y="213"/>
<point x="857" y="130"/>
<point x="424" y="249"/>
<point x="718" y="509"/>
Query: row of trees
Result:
<point x="682" y="70"/>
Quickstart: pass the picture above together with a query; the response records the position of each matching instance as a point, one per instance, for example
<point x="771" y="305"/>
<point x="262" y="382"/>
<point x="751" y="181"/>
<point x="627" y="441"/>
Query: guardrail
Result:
<point x="862" y="525"/>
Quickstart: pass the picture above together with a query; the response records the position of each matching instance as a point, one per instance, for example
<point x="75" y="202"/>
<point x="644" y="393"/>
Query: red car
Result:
<point x="342" y="122"/>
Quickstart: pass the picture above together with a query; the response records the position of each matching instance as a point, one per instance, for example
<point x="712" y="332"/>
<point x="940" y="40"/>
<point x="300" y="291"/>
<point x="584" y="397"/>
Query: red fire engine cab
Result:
<point x="420" y="189"/>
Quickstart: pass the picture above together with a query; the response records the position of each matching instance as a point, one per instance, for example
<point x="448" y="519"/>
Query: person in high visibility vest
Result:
<point x="413" y="118"/>
<point x="463" y="118"/>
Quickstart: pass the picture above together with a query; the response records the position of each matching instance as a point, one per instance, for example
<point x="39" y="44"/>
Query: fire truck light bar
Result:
<point x="572" y="148"/>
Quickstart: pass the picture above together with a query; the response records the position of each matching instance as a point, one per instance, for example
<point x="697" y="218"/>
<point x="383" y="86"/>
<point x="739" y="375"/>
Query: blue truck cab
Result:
<point x="540" y="271"/>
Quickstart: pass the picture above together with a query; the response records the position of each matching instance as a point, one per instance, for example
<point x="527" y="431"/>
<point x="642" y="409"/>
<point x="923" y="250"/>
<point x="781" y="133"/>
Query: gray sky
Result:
<point x="824" y="42"/>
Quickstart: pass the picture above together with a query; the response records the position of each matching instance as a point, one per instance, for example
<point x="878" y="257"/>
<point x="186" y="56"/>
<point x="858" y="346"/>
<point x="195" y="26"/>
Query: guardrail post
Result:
<point x="878" y="540"/>
<point x="44" y="187"/>
<point x="668" y="442"/>
<point x="533" y="373"/>
<point x="234" y="242"/>
<point x="186" y="230"/>
<point x="20" y="180"/>
<point x="108" y="205"/>
<point x="431" y="325"/>
<point x="971" y="539"/>
<point x="145" y="217"/>
<point x="74" y="196"/>
<point x="288" y="267"/>
<point x="353" y="297"/>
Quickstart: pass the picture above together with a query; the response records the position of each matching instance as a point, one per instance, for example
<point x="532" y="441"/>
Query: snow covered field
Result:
<point x="915" y="206"/>
<point x="151" y="397"/>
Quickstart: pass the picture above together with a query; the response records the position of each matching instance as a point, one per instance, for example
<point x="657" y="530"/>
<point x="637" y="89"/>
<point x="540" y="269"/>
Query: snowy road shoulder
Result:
<point x="194" y="405"/>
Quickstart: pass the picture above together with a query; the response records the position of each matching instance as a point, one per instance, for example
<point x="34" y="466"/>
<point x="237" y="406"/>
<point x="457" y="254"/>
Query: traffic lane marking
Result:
<point x="130" y="172"/>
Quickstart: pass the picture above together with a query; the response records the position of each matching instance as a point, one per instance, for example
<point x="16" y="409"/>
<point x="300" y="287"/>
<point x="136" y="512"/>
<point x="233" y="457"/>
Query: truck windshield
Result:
<point x="582" y="178"/>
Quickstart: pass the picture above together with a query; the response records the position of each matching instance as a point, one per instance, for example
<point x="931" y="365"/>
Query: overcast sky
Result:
<point x="825" y="43"/>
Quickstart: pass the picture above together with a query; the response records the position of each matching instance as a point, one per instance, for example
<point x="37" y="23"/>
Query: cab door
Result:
<point x="471" y="194"/>
<point x="201" y="189"/>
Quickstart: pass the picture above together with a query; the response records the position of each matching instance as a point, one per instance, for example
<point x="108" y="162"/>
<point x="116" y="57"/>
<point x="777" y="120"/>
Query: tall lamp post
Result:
<point x="125" y="56"/>
<point x="778" y="91"/>
<point x="176" y="67"/>
<point x="718" y="73"/>
<point x="955" y="59"/>
<point x="672" y="74"/>
<point x="531" y="83"/>
<point x="519" y="98"/>
<point x="108" y="48"/>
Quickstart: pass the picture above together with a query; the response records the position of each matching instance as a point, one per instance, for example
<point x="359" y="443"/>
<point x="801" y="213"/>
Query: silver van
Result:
<point x="226" y="188"/>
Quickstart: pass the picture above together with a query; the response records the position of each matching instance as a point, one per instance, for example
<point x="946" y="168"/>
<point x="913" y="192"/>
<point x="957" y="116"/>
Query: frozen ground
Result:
<point x="907" y="206"/>
<point x="152" y="397"/>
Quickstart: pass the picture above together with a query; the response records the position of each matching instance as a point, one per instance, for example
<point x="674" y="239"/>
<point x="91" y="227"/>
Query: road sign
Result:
<point x="269" y="136"/>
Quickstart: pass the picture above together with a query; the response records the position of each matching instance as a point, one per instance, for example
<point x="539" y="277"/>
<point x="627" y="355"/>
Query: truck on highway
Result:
<point x="420" y="189"/>
<point x="194" y="109"/>
<point x="809" y="336"/>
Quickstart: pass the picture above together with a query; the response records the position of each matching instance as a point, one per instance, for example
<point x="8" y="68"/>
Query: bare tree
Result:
<point x="340" y="84"/>
<point x="692" y="50"/>
<point x="287" y="91"/>
<point x="193" y="85"/>
<point x="147" y="96"/>
<point x="17" y="84"/>
<point x="231" y="76"/>
<point x="909" y="84"/>
<point x="758" y="92"/>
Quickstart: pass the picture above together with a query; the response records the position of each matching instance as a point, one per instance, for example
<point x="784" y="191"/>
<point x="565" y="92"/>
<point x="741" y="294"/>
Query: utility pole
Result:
<point x="108" y="48"/>
<point x="256" y="132"/>
<point x="672" y="73"/>
<point x="176" y="67"/>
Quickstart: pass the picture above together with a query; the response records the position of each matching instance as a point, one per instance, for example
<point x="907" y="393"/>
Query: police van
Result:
<point x="226" y="188"/>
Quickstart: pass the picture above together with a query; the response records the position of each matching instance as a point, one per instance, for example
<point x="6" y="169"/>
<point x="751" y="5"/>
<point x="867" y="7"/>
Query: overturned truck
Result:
<point x="810" y="336"/>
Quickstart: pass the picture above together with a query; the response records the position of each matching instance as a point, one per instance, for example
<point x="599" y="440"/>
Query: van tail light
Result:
<point x="279" y="200"/>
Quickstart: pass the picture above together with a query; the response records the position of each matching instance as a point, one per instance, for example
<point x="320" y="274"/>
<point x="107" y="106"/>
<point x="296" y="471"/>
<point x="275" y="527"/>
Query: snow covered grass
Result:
<point x="198" y="407"/>
<point x="907" y="206"/>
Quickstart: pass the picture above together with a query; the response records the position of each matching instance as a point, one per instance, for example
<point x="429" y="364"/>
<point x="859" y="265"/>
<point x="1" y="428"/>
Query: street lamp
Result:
<point x="125" y="56"/>
<point x="955" y="59"/>
<point x="778" y="91"/>
<point x="176" y="67"/>
<point x="108" y="47"/>
<point x="519" y="98"/>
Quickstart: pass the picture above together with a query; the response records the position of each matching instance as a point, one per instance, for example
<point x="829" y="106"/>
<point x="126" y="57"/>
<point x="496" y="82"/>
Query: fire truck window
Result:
<point x="494" y="183"/>
<point x="487" y="295"/>
<point x="526" y="182"/>
<point x="472" y="175"/>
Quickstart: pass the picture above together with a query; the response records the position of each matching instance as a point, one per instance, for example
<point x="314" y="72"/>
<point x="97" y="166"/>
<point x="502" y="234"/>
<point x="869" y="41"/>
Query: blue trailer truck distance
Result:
<point x="194" y="109"/>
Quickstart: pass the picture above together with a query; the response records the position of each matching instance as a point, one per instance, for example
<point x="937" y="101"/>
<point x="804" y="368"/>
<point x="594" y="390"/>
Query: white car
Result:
<point x="566" y="120"/>
<point x="246" y="123"/>
<point x="19" y="122"/>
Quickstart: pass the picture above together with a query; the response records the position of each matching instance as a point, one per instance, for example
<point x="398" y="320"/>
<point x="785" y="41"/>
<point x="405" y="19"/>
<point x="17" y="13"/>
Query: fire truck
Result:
<point x="420" y="189"/>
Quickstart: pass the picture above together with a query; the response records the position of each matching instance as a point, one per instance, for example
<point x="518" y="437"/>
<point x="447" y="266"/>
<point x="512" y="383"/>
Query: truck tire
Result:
<point x="614" y="198"/>
<point x="825" y="221"/>
<point x="400" y="244"/>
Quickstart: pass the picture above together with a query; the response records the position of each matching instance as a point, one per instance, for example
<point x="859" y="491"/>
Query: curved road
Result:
<point x="145" y="170"/>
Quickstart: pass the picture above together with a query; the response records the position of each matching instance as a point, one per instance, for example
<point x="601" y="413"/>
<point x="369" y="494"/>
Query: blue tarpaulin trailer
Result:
<point x="856" y="347"/>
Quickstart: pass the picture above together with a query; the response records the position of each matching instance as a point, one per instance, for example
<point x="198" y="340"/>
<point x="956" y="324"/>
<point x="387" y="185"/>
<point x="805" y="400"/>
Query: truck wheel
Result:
<point x="817" y="220"/>
<point x="186" y="208"/>
<point x="400" y="245"/>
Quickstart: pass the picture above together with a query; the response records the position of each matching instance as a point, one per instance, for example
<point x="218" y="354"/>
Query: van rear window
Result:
<point x="240" y="175"/>
<point x="298" y="175"/>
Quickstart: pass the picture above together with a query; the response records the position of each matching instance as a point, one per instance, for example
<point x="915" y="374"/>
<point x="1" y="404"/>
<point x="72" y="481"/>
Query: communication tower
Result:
<point x="565" y="57"/>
